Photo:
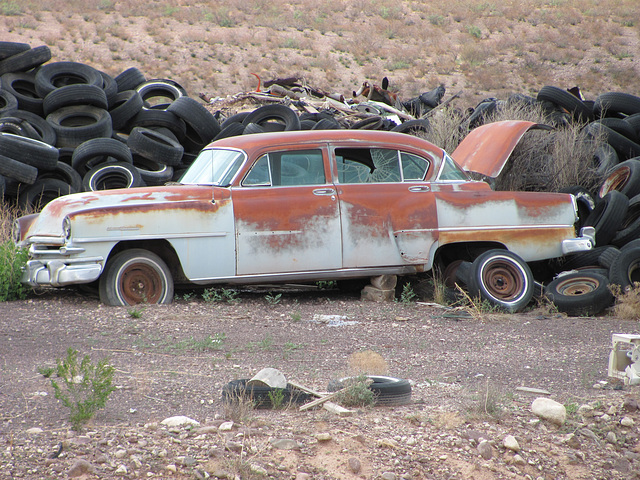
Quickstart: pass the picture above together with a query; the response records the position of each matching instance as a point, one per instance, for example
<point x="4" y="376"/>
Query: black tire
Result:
<point x="584" y="201"/>
<point x="77" y="124"/>
<point x="19" y="171"/>
<point x="110" y="88"/>
<point x="125" y="106"/>
<point x="610" y="103"/>
<point x="588" y="258"/>
<point x="18" y="126"/>
<point x="579" y="293"/>
<point x="59" y="74"/>
<point x="129" y="79"/>
<point x="252" y="128"/>
<point x="607" y="257"/>
<point x="261" y="396"/>
<point x="608" y="216"/>
<point x="160" y="91"/>
<point x="621" y="126"/>
<point x="624" y="147"/>
<point x="230" y="130"/>
<point x="99" y="150"/>
<point x="43" y="190"/>
<point x="156" y="146"/>
<point x="28" y="150"/>
<point x="23" y="87"/>
<point x="564" y="99"/>
<point x="278" y="113"/>
<point x="65" y="173"/>
<point x="152" y="172"/>
<point x="26" y="60"/>
<point x="45" y="131"/>
<point x="202" y="126"/>
<point x="630" y="227"/>
<point x="625" y="269"/>
<point x="605" y="158"/>
<point x="624" y="177"/>
<point x="373" y="122"/>
<point x="108" y="176"/>
<point x="325" y="124"/>
<point x="388" y="391"/>
<point x="3" y="187"/>
<point x="235" y="118"/>
<point x="502" y="278"/>
<point x="413" y="127"/>
<point x="8" y="49"/>
<point x="152" y="118"/>
<point x="77" y="94"/>
<point x="8" y="102"/>
<point x="135" y="276"/>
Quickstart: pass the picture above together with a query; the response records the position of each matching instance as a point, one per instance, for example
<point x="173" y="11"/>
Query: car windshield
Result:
<point x="451" y="171"/>
<point x="214" y="166"/>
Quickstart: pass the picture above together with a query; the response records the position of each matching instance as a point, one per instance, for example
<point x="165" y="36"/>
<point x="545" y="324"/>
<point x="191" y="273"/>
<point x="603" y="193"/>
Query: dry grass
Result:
<point x="485" y="49"/>
<point x="627" y="305"/>
<point x="368" y="362"/>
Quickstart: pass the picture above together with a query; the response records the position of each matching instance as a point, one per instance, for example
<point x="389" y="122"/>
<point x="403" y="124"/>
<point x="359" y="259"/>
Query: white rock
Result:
<point x="549" y="410"/>
<point x="34" y="431"/>
<point x="585" y="411"/>
<point x="627" y="422"/>
<point x="172" y="468"/>
<point x="225" y="427"/>
<point x="121" y="470"/>
<point x="511" y="443"/>
<point x="178" y="421"/>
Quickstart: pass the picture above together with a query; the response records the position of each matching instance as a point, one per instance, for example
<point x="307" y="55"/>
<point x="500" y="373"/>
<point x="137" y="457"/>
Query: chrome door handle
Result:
<point x="421" y="188"/>
<point x="324" y="191"/>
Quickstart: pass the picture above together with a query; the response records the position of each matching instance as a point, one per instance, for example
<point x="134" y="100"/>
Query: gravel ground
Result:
<point x="465" y="373"/>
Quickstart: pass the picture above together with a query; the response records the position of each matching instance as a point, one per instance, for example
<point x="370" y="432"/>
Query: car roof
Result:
<point x="344" y="136"/>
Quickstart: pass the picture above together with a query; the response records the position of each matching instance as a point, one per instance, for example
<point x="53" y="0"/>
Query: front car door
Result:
<point x="287" y="215"/>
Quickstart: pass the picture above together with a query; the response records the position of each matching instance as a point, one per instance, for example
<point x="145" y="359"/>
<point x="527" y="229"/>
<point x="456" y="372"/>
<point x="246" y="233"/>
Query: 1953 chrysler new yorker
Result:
<point x="306" y="206"/>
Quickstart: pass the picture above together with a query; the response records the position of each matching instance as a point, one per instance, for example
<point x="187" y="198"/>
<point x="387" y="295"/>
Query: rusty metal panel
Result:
<point x="487" y="149"/>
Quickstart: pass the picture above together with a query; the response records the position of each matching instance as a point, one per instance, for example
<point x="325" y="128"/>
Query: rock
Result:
<point x="585" y="411"/>
<point x="622" y="465"/>
<point x="79" y="468"/>
<point x="225" y="427"/>
<point x="573" y="441"/>
<point x="387" y="443"/>
<point x="179" y="421"/>
<point x="121" y="470"/>
<point x="384" y="282"/>
<point x="121" y="453"/>
<point x="233" y="446"/>
<point x="389" y="476"/>
<point x="284" y="444"/>
<point x="207" y="430"/>
<point x="511" y="443"/>
<point x="485" y="450"/>
<point x="627" y="422"/>
<point x="630" y="405"/>
<point x="171" y="468"/>
<point x="303" y="476"/>
<point x="549" y="410"/>
<point x="323" y="437"/>
<point x="611" y="438"/>
<point x="518" y="460"/>
<point x="34" y="431"/>
<point x="373" y="294"/>
<point x="258" y="470"/>
<point x="354" y="465"/>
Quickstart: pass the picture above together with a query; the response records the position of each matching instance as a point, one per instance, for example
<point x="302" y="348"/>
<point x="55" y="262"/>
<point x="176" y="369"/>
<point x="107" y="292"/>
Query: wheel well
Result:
<point x="467" y="251"/>
<point x="162" y="248"/>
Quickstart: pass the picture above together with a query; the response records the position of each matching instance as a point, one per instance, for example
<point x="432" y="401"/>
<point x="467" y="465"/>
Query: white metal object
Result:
<point x="624" y="359"/>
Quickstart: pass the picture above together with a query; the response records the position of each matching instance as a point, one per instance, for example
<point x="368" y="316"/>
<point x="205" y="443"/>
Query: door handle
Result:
<point x="324" y="191"/>
<point x="421" y="188"/>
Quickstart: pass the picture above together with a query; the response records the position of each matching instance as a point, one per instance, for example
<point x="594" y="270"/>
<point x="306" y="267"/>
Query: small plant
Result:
<point x="571" y="408"/>
<point x="10" y="8"/>
<point x="12" y="259"/>
<point x="136" y="312"/>
<point x="46" y="372"/>
<point x="474" y="31"/>
<point x="327" y="285"/>
<point x="84" y="388"/>
<point x="276" y="397"/>
<point x="356" y="392"/>
<point x="296" y="317"/>
<point x="627" y="305"/>
<point x="208" y="343"/>
<point x="273" y="300"/>
<point x="408" y="295"/>
<point x="219" y="295"/>
<point x="266" y="343"/>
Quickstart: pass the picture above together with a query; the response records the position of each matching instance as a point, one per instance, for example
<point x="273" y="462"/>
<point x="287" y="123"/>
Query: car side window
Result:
<point x="378" y="165"/>
<point x="289" y="168"/>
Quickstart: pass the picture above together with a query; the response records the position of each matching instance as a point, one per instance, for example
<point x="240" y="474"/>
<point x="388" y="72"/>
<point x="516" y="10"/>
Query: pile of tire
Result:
<point x="67" y="127"/>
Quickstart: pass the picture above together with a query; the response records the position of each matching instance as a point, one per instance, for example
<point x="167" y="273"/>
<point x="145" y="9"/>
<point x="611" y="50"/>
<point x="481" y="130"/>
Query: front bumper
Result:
<point x="586" y="241"/>
<point x="57" y="273"/>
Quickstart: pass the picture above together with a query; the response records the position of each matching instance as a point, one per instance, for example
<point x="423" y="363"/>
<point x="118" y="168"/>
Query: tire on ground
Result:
<point x="502" y="278"/>
<point x="625" y="269"/>
<point x="608" y="216"/>
<point x="624" y="177"/>
<point x="388" y="391"/>
<point x="41" y="192"/>
<point x="579" y="293"/>
<point x="237" y="391"/>
<point x="135" y="276"/>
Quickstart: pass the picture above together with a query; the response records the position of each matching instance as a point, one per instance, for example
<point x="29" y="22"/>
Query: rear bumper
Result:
<point x="586" y="241"/>
<point x="57" y="273"/>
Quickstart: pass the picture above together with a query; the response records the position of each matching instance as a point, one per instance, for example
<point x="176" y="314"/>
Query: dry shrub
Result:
<point x="368" y="362"/>
<point x="448" y="420"/>
<point x="627" y="306"/>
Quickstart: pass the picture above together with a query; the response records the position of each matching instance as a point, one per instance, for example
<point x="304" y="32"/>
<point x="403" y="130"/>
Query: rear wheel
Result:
<point x="136" y="276"/>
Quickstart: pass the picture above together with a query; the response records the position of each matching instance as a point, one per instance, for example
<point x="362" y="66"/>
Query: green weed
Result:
<point x="12" y="259"/>
<point x="356" y="392"/>
<point x="408" y="295"/>
<point x="207" y="343"/>
<point x="219" y="295"/>
<point x="273" y="299"/>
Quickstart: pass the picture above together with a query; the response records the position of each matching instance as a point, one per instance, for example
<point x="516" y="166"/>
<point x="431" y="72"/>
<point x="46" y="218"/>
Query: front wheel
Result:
<point x="136" y="276"/>
<point x="502" y="278"/>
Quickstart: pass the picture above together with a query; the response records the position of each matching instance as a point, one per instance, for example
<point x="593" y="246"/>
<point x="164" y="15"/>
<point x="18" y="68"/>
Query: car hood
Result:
<point x="96" y="204"/>
<point x="486" y="149"/>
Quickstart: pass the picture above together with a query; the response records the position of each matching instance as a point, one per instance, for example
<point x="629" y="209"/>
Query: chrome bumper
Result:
<point x="57" y="273"/>
<point x="586" y="241"/>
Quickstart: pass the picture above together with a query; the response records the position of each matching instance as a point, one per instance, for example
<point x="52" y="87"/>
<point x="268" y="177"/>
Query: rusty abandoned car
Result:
<point x="306" y="206"/>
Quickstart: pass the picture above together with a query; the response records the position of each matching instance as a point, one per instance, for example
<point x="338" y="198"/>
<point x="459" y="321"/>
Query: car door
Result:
<point x="286" y="214"/>
<point x="388" y="211"/>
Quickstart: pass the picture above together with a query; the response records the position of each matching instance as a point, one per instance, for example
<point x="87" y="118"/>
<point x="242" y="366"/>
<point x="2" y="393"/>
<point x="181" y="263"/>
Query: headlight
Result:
<point x="15" y="231"/>
<point x="66" y="228"/>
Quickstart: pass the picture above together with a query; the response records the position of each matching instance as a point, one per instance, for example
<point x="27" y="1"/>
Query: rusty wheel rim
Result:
<point x="140" y="283"/>
<point x="503" y="280"/>
<point x="576" y="286"/>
